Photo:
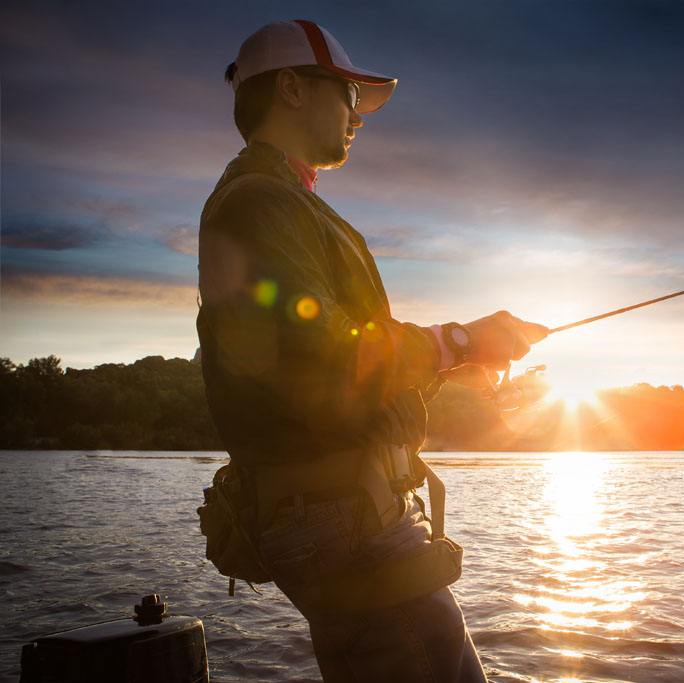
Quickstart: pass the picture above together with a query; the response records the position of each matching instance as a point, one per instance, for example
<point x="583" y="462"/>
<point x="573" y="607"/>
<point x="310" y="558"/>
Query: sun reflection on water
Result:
<point x="576" y="594"/>
<point x="573" y="482"/>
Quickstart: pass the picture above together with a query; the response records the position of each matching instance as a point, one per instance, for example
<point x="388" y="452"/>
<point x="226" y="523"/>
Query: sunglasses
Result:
<point x="353" y="91"/>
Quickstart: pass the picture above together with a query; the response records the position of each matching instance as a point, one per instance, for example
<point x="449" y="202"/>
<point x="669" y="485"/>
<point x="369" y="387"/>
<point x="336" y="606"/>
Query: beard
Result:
<point x="330" y="156"/>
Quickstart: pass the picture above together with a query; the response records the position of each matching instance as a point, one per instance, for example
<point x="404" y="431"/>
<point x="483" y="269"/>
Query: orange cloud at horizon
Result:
<point x="90" y="290"/>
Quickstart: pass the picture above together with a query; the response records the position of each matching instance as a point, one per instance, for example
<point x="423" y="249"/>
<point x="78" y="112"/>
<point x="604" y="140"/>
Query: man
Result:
<point x="317" y="392"/>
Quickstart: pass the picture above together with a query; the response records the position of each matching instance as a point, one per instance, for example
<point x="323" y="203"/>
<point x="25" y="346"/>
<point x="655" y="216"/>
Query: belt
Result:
<point x="378" y="471"/>
<point x="320" y="496"/>
<point x="314" y="479"/>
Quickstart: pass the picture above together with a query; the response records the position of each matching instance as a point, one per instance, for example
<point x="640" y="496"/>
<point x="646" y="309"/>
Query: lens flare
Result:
<point x="308" y="308"/>
<point x="265" y="293"/>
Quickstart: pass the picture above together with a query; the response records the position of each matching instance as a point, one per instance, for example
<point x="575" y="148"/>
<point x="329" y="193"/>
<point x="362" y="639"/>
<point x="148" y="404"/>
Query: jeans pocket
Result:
<point x="296" y="566"/>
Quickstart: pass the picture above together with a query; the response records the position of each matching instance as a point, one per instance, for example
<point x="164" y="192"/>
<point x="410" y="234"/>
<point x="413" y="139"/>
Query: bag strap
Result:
<point x="437" y="494"/>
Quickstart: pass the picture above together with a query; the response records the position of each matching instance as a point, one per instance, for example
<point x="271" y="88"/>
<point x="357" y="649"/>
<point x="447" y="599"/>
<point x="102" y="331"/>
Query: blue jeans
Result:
<point x="425" y="639"/>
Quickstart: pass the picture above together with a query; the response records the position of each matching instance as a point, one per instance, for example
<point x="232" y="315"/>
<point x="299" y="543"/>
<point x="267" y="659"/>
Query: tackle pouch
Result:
<point x="226" y="519"/>
<point x="390" y="582"/>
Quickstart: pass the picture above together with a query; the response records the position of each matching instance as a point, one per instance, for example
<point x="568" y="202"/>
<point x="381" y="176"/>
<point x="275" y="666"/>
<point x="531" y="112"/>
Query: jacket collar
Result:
<point x="260" y="157"/>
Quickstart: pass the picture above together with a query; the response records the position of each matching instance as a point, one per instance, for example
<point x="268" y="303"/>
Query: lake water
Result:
<point x="573" y="568"/>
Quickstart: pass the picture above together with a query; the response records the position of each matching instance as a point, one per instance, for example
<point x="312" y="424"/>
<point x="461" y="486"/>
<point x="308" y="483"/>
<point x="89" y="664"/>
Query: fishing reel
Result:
<point x="508" y="393"/>
<point x="520" y="391"/>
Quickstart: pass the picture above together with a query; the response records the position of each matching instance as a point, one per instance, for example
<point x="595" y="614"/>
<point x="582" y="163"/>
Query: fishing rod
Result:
<point x="498" y="391"/>
<point x="501" y="386"/>
<point x="617" y="311"/>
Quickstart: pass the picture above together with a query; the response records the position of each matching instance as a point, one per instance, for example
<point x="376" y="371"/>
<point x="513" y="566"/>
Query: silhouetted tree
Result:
<point x="157" y="404"/>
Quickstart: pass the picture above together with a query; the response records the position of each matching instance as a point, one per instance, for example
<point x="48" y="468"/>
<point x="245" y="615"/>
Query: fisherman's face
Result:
<point x="332" y="123"/>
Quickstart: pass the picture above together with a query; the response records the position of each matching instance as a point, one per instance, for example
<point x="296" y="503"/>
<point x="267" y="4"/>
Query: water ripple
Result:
<point x="573" y="568"/>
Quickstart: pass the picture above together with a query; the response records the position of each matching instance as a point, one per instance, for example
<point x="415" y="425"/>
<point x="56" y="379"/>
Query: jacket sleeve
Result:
<point x="268" y="292"/>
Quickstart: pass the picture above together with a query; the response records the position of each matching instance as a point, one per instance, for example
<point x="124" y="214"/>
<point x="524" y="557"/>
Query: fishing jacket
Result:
<point x="300" y="354"/>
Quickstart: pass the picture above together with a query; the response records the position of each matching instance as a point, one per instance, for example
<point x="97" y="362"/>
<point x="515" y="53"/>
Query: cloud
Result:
<point x="71" y="221"/>
<point x="549" y="122"/>
<point x="121" y="107"/>
<point x="41" y="288"/>
<point x="425" y="242"/>
<point x="51" y="237"/>
<point x="183" y="238"/>
<point x="420" y="311"/>
<point x="525" y="251"/>
<point x="547" y="117"/>
<point x="585" y="262"/>
<point x="115" y="213"/>
<point x="497" y="184"/>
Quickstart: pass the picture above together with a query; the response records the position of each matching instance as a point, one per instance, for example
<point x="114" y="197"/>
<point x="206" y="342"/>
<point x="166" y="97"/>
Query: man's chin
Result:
<point x="333" y="158"/>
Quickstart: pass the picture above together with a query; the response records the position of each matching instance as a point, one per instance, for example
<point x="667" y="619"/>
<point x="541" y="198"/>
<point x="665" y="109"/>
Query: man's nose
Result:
<point x="355" y="120"/>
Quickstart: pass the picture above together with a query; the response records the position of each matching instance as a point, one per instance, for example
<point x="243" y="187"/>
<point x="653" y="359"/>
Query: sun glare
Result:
<point x="572" y="390"/>
<point x="576" y="595"/>
<point x="572" y="396"/>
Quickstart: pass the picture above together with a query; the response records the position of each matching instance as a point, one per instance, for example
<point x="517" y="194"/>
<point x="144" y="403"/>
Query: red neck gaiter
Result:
<point x="306" y="174"/>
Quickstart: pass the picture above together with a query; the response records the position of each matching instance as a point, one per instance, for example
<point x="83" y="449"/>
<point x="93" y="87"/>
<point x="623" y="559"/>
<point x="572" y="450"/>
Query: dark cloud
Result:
<point x="67" y="221"/>
<point x="544" y="116"/>
<point x="51" y="237"/>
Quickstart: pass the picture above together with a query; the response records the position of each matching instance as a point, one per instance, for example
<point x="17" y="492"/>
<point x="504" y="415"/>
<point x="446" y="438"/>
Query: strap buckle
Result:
<point x="399" y="465"/>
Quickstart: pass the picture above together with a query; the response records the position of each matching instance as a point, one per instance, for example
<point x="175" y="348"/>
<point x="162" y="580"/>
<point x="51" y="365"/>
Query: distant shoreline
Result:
<point x="201" y="453"/>
<point x="155" y="404"/>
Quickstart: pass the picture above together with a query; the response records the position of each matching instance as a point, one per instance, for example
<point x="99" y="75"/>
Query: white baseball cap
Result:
<point x="299" y="42"/>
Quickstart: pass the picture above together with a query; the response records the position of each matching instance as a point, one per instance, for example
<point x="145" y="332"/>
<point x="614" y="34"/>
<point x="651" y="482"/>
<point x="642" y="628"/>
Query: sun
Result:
<point x="572" y="395"/>
<point x="572" y="390"/>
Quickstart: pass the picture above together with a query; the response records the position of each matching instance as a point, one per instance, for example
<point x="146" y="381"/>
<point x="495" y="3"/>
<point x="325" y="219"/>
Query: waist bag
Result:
<point x="228" y="519"/>
<point x="388" y="583"/>
<point x="384" y="584"/>
<point x="239" y="504"/>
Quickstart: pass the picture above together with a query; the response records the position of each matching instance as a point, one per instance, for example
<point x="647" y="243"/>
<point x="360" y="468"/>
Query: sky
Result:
<point x="531" y="159"/>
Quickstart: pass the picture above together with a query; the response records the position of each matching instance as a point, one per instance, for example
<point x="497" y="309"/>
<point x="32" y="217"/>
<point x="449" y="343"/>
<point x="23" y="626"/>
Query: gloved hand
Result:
<point x="500" y="338"/>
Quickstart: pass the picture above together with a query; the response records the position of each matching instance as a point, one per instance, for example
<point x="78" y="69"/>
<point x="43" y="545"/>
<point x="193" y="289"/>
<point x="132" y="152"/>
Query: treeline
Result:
<point x="152" y="404"/>
<point x="640" y="417"/>
<point x="157" y="404"/>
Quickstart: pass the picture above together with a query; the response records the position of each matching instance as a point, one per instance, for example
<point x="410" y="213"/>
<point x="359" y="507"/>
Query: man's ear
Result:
<point x="290" y="88"/>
